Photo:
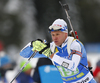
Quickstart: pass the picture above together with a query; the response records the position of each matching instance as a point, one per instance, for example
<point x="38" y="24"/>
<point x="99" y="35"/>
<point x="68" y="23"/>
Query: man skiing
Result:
<point x="67" y="54"/>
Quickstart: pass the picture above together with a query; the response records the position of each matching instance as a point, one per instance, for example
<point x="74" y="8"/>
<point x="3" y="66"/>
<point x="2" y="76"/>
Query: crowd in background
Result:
<point x="27" y="76"/>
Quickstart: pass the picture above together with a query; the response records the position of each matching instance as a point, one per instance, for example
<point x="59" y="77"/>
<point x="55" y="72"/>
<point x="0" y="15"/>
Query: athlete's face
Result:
<point x="58" y="37"/>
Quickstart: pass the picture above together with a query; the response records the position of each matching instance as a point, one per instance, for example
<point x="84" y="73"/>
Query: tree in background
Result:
<point x="90" y="18"/>
<point x="22" y="21"/>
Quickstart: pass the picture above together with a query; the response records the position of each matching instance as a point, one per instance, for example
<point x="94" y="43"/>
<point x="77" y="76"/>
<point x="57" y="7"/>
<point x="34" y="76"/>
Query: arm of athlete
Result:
<point x="36" y="45"/>
<point x="69" y="64"/>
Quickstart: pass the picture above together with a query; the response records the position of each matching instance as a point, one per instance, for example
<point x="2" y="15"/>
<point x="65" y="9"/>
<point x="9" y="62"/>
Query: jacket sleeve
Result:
<point x="26" y="52"/>
<point x="65" y="62"/>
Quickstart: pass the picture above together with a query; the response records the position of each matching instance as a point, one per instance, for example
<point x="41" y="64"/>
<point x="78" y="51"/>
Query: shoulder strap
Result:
<point x="70" y="40"/>
<point x="53" y="47"/>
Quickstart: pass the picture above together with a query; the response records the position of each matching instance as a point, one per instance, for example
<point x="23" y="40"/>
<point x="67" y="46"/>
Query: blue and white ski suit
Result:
<point x="70" y="60"/>
<point x="73" y="67"/>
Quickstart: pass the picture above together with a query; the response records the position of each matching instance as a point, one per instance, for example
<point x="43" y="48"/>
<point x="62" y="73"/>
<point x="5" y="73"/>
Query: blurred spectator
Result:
<point x="1" y="46"/>
<point x="25" y="75"/>
<point x="97" y="69"/>
<point x="41" y="62"/>
<point x="98" y="77"/>
<point x="96" y="72"/>
<point x="5" y="65"/>
<point x="90" y="67"/>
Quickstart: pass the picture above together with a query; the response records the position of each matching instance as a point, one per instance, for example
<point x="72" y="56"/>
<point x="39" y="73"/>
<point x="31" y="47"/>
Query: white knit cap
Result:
<point x="59" y="24"/>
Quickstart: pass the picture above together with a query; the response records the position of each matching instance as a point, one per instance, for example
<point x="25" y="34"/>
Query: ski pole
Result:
<point x="66" y="7"/>
<point x="24" y="66"/>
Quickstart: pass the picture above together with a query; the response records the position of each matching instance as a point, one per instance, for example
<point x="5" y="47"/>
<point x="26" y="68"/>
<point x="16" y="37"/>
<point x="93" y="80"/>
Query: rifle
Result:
<point x="72" y="32"/>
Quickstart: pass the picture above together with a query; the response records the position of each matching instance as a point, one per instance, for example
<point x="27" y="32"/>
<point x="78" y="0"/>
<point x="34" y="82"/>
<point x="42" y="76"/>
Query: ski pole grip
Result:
<point x="48" y="45"/>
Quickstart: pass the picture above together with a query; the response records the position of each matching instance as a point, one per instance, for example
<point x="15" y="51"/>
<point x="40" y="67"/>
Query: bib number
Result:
<point x="66" y="72"/>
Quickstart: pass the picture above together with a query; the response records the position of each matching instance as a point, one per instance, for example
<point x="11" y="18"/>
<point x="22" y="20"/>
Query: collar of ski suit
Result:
<point x="67" y="42"/>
